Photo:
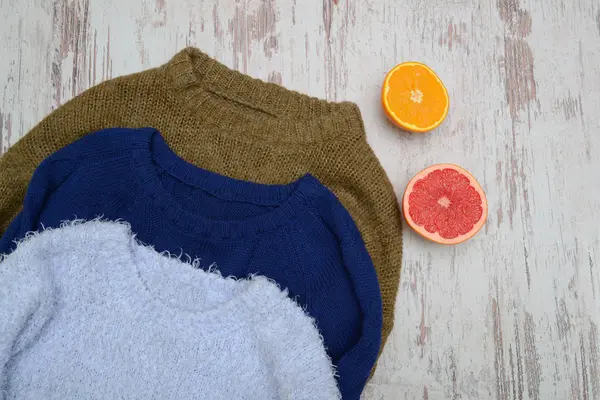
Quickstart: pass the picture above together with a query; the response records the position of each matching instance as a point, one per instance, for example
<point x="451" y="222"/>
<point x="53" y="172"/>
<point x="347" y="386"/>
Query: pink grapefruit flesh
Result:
<point x="445" y="204"/>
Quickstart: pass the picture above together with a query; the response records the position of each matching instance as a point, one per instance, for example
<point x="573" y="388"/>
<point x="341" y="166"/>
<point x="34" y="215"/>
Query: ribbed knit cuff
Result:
<point x="245" y="105"/>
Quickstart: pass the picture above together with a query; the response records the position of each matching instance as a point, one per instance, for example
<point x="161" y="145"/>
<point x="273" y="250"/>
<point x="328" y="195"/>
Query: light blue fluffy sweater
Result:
<point x="86" y="312"/>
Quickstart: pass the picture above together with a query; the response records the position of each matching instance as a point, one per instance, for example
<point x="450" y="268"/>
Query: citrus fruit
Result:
<point x="445" y="204"/>
<point x="414" y="98"/>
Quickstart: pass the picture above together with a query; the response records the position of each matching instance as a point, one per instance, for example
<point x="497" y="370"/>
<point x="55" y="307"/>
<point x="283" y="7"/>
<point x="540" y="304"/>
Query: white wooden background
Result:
<point x="512" y="314"/>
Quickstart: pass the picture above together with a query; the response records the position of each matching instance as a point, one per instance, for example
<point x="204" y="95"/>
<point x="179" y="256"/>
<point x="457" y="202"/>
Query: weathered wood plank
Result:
<point x="512" y="314"/>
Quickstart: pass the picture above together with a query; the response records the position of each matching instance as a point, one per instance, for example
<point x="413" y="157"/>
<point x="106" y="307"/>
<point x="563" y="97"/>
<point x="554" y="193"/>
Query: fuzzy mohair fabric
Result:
<point x="88" y="312"/>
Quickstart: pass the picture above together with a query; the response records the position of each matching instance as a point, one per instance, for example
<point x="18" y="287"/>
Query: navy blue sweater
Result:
<point x="297" y="234"/>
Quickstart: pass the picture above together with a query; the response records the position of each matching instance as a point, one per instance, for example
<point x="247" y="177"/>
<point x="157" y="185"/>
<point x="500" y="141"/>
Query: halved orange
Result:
<point x="414" y="98"/>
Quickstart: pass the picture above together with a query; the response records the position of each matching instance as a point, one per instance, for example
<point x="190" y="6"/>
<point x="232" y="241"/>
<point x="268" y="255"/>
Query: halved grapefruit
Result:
<point x="445" y="204"/>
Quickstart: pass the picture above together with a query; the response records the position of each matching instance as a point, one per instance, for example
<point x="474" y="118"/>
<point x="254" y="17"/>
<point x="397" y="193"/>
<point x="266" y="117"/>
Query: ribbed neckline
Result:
<point x="290" y="199"/>
<point x="220" y="96"/>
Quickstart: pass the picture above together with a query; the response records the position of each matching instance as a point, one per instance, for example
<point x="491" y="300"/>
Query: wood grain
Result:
<point x="511" y="314"/>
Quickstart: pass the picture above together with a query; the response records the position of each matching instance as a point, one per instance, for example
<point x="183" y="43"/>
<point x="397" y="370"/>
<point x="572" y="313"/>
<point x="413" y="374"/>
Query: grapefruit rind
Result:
<point x="435" y="236"/>
<point x="394" y="118"/>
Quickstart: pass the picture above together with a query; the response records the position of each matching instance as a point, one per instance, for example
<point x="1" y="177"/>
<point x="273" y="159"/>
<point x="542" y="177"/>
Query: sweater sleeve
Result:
<point x="51" y="173"/>
<point x="25" y="303"/>
<point x="59" y="167"/>
<point x="294" y="348"/>
<point x="60" y="128"/>
<point x="355" y="367"/>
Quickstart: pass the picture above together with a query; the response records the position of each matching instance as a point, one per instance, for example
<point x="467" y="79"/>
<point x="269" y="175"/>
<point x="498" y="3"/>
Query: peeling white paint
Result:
<point x="511" y="314"/>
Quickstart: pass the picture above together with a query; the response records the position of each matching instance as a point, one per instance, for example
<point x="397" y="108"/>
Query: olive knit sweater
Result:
<point x="237" y="126"/>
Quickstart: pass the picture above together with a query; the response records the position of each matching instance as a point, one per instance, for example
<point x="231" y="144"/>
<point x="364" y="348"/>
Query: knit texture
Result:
<point x="236" y="126"/>
<point x="87" y="312"/>
<point x="298" y="234"/>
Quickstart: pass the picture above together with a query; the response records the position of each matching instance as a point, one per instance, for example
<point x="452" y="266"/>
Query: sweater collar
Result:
<point x="244" y="105"/>
<point x="290" y="199"/>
